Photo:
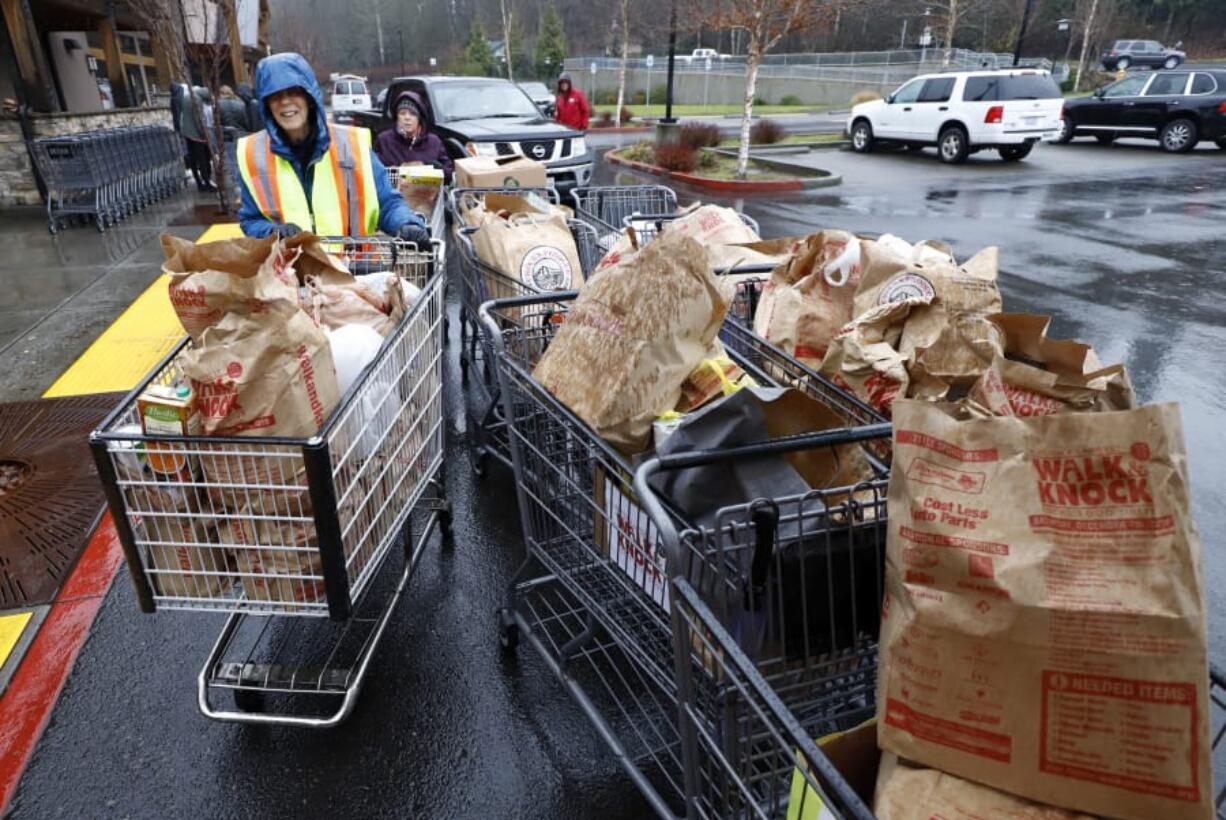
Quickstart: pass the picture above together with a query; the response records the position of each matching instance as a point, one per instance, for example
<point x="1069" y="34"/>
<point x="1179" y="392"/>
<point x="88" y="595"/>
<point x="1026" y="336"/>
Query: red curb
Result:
<point x="25" y="707"/>
<point x="761" y="186"/>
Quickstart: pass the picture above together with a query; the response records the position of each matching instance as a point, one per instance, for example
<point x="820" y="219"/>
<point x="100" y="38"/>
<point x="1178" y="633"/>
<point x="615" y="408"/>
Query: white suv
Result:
<point x="962" y="112"/>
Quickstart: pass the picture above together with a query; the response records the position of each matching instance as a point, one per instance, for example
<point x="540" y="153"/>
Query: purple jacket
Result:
<point x="395" y="150"/>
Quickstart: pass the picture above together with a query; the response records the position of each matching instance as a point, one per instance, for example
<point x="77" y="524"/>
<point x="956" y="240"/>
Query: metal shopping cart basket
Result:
<point x="271" y="528"/>
<point x="761" y="761"/>
<point x="483" y="282"/>
<point x="592" y="595"/>
<point x="606" y="207"/>
<point x="796" y="582"/>
<point x="647" y="226"/>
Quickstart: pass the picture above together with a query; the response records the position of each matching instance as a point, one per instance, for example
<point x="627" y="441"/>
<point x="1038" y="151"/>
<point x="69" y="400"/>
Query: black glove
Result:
<point x="287" y="230"/>
<point x="413" y="232"/>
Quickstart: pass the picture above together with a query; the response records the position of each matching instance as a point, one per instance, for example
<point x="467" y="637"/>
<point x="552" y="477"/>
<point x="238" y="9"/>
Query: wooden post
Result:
<point x="31" y="59"/>
<point x="114" y="60"/>
<point x="236" y="42"/>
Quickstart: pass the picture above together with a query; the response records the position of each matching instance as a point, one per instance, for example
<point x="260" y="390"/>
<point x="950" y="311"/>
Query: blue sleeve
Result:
<point x="250" y="218"/>
<point x="393" y="210"/>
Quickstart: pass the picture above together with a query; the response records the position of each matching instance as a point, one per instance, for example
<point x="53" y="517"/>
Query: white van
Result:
<point x="349" y="93"/>
<point x="961" y="112"/>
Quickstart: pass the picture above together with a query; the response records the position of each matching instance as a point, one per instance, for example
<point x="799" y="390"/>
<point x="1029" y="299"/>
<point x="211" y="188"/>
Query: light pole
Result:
<point x="668" y="130"/>
<point x="1021" y="32"/>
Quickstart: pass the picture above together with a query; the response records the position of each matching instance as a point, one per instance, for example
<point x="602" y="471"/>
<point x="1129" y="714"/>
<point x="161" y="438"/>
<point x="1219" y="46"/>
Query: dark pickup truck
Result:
<point x="480" y="116"/>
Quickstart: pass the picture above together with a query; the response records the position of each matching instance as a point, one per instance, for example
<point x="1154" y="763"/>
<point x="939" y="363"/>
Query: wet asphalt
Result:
<point x="1123" y="246"/>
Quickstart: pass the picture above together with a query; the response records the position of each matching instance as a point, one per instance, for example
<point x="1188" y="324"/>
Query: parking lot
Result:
<point x="1121" y="245"/>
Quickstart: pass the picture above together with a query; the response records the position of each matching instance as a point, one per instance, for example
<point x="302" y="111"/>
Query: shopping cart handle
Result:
<point x="804" y="441"/>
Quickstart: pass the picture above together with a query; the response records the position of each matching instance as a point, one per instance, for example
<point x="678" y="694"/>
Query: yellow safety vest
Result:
<point x="344" y="201"/>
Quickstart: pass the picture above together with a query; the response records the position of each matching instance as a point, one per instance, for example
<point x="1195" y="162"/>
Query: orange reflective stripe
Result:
<point x="253" y="171"/>
<point x="274" y="194"/>
<point x="339" y="181"/>
<point x="360" y="179"/>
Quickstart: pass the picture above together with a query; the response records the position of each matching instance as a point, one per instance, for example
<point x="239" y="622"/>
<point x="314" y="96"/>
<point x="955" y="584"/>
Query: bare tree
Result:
<point x="1092" y="14"/>
<point x="624" y="23"/>
<point x="507" y="12"/>
<point x="765" y="23"/>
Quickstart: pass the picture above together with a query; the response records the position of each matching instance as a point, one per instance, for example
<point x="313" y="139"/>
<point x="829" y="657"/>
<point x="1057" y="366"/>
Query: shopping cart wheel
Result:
<point x="249" y="700"/>
<point x="508" y="630"/>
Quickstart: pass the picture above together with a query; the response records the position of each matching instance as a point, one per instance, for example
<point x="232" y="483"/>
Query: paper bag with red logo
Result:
<point x="809" y="299"/>
<point x="863" y="356"/>
<point x="211" y="280"/>
<point x="633" y="335"/>
<point x="1036" y="376"/>
<point x="278" y="561"/>
<point x="272" y="377"/>
<point x="1044" y="626"/>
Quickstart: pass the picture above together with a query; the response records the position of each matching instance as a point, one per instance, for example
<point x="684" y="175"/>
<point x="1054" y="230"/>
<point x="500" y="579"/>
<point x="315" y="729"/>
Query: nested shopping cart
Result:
<point x="290" y="535"/>
<point x="592" y="596"/>
<point x="760" y="760"/>
<point x="482" y="283"/>
<point x="795" y="582"/>
<point x="647" y="226"/>
<point x="606" y="207"/>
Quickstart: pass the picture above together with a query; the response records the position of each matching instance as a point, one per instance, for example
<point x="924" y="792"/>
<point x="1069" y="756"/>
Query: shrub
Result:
<point x="625" y="115"/>
<point x="791" y="99"/>
<point x="699" y="135"/>
<point x="676" y="157"/>
<point x="659" y="93"/>
<point x="640" y="152"/>
<point x="864" y="96"/>
<point x="605" y="96"/>
<point x="707" y="160"/>
<point x="765" y="132"/>
<point x="639" y="97"/>
<point x="760" y="101"/>
<point x="605" y="120"/>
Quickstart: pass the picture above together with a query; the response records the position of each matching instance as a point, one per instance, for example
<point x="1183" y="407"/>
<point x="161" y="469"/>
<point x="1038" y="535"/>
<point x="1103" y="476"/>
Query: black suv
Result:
<point x="481" y="116"/>
<point x="1178" y="108"/>
<point x="1125" y="54"/>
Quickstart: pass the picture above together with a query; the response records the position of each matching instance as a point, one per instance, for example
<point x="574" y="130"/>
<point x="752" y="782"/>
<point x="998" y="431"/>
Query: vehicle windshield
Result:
<point x="536" y="88"/>
<point x="475" y="100"/>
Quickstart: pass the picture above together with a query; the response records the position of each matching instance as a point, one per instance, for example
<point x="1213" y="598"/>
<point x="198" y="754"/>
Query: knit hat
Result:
<point x="407" y="102"/>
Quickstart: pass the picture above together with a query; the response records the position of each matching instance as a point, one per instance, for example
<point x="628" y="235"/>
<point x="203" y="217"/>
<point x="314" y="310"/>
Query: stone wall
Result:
<point x="17" y="185"/>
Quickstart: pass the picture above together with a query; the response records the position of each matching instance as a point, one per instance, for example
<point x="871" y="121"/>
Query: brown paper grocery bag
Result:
<point x="1044" y="626"/>
<point x="632" y="336"/>
<point x="534" y="248"/>
<point x="210" y="280"/>
<point x="809" y="299"/>
<point x="906" y="792"/>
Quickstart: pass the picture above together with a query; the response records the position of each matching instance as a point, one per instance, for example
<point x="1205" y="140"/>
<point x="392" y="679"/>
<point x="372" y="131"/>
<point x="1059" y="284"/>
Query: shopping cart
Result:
<point x="108" y="174"/>
<point x="483" y="282"/>
<point x="592" y="595"/>
<point x="271" y="528"/>
<point x="761" y="761"/>
<point x="606" y="208"/>
<point x="795" y="581"/>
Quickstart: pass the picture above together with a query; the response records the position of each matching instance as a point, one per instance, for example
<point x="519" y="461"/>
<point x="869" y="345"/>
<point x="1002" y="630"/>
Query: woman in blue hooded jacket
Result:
<point x="301" y="173"/>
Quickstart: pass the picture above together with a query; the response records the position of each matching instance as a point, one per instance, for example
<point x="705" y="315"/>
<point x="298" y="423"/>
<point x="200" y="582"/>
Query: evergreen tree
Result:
<point x="550" y="45"/>
<point x="478" y="59"/>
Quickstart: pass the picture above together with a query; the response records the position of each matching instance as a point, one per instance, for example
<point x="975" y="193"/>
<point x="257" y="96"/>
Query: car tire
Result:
<point x="1105" y="139"/>
<point x="1178" y="136"/>
<point x="1171" y="62"/>
<point x="1067" y="132"/>
<point x="1122" y="63"/>
<point x="952" y="145"/>
<point x="862" y="136"/>
<point x="1015" y="153"/>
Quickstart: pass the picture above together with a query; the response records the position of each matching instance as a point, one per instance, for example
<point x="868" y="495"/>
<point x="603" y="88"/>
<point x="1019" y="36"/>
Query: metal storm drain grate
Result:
<point x="50" y="497"/>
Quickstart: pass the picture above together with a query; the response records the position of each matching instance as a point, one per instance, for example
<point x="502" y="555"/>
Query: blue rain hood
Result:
<point x="278" y="73"/>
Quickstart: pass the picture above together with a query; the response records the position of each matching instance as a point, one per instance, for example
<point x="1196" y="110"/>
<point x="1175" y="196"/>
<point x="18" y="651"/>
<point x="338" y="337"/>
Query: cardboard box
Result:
<point x="499" y="172"/>
<point x="420" y="186"/>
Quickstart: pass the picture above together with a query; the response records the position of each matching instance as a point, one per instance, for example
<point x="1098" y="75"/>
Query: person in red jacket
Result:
<point x="573" y="109"/>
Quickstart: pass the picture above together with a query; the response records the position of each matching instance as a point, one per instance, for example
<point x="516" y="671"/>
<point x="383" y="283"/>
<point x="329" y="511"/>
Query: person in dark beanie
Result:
<point x="410" y="139"/>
